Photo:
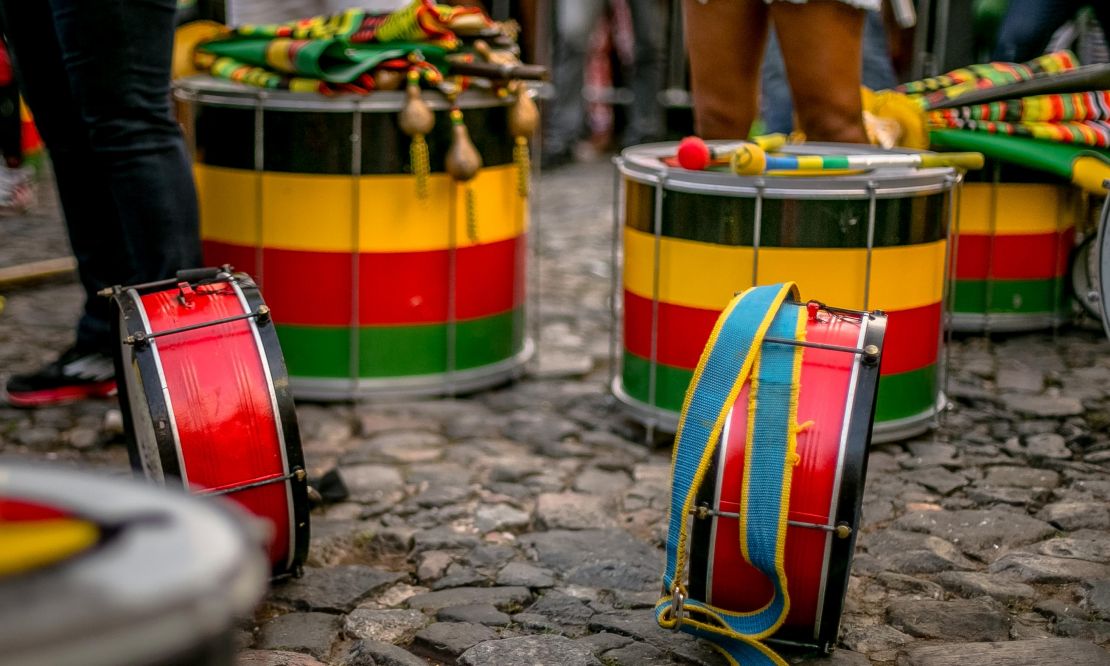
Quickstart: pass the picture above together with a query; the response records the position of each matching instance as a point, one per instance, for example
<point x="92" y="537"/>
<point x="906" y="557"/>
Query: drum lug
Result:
<point x="870" y="354"/>
<point x="262" y="316"/>
<point x="843" y="530"/>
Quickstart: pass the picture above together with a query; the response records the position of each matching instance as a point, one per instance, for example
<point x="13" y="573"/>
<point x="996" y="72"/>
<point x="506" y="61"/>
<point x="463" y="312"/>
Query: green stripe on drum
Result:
<point x="900" y="396"/>
<point x="400" y="351"/>
<point x="319" y="142"/>
<point x="1009" y="296"/>
<point x="836" y="162"/>
<point x="906" y="394"/>
<point x="808" y="223"/>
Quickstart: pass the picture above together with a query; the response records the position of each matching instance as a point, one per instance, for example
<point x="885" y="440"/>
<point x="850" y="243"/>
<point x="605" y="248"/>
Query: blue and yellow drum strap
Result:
<point x="735" y="352"/>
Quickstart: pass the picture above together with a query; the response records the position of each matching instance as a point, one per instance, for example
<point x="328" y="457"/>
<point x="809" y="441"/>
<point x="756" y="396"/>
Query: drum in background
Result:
<point x="1011" y="250"/>
<point x="206" y="400"/>
<point x="374" y="289"/>
<point x="1104" y="264"/>
<point x="106" y="571"/>
<point x="692" y="239"/>
<point x="837" y="394"/>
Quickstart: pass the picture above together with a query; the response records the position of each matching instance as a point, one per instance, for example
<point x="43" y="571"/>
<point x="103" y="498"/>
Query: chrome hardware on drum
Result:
<point x="860" y="239"/>
<point x="206" y="400"/>
<point x="1104" y="264"/>
<point x="107" y="571"/>
<point x="379" y="285"/>
<point x="789" y="463"/>
<point x="1016" y="232"/>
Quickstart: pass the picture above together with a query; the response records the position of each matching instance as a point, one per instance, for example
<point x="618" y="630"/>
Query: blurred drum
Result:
<point x="1011" y="250"/>
<point x="206" y="400"/>
<point x="692" y="239"/>
<point x="1104" y="265"/>
<point x="110" y="572"/>
<point x="375" y="290"/>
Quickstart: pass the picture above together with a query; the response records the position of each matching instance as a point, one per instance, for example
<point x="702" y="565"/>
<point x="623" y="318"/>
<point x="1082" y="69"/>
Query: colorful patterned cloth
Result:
<point x="1078" y="118"/>
<point x="337" y="53"/>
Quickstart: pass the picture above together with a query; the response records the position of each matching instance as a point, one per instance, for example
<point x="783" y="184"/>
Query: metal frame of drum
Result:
<point x="217" y="93"/>
<point x="154" y="442"/>
<point x="845" y="499"/>
<point x="1006" y="322"/>
<point x="1104" y="264"/>
<point x="163" y="583"/>
<point x="760" y="188"/>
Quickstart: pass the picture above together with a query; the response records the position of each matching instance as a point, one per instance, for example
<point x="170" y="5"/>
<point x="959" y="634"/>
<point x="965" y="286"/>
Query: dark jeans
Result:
<point x="1029" y="24"/>
<point x="96" y="75"/>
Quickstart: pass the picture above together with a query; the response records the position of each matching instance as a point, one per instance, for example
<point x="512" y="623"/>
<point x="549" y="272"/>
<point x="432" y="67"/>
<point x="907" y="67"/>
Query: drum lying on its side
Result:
<point x="837" y="394"/>
<point x="206" y="400"/>
<point x="1016" y="232"/>
<point x="106" y="571"/>
<point x="692" y="239"/>
<point x="375" y="290"/>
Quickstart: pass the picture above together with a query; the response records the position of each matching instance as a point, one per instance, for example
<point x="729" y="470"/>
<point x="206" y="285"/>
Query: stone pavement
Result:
<point x="524" y="525"/>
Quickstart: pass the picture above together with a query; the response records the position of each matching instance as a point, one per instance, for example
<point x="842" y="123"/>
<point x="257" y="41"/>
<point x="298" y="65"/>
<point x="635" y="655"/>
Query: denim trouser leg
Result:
<point x="96" y="75"/>
<point x="574" y="22"/>
<point x="645" y="118"/>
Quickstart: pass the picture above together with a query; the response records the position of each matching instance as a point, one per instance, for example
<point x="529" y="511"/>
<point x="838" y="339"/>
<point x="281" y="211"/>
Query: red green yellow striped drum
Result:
<point x="374" y="290"/>
<point x="867" y="240"/>
<point x="1015" y="232"/>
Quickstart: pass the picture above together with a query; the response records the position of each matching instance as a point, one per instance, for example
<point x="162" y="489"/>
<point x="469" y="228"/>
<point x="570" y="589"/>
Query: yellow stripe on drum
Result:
<point x="704" y="275"/>
<point x="313" y="212"/>
<point x="1020" y="208"/>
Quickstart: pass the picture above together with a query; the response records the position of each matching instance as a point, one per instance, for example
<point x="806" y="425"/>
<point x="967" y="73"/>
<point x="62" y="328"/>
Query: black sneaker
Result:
<point x="76" y="375"/>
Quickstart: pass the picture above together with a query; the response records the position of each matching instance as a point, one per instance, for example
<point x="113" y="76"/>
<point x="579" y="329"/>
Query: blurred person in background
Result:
<point x="1028" y="25"/>
<point x="96" y="75"/>
<point x="821" y="47"/>
<point x="575" y="21"/>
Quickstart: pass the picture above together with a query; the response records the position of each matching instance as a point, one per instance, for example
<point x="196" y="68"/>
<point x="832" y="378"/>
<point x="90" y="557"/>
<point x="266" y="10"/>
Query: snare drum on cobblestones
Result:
<point x="692" y="239"/>
<point x="1016" y="232"/>
<point x="375" y="289"/>
<point x="104" y="572"/>
<point x="206" y="400"/>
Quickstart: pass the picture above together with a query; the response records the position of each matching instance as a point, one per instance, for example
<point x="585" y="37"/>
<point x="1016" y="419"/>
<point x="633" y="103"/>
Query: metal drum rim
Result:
<point x="212" y="91"/>
<point x="1104" y="264"/>
<point x="235" y="585"/>
<point x="642" y="164"/>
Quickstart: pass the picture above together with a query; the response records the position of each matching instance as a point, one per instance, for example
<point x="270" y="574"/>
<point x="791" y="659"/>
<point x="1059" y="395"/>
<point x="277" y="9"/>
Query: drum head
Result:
<point x="104" y="571"/>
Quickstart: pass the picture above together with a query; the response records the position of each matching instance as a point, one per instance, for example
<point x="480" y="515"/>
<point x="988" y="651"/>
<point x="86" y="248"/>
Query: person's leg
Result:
<point x="878" y="69"/>
<point x="645" y="118"/>
<point x="821" y="46"/>
<point x="83" y="186"/>
<point x="775" y="104"/>
<point x="574" y="22"/>
<point x="1029" y="24"/>
<point x="725" y="41"/>
<point x="117" y="57"/>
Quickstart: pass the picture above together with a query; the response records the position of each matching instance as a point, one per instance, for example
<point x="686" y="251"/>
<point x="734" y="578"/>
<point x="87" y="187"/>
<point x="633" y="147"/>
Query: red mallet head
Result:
<point x="693" y="153"/>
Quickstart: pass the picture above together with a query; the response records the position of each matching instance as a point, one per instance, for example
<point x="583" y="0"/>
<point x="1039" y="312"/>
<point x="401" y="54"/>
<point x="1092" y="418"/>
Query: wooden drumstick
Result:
<point x="695" y="154"/>
<point x="751" y="160"/>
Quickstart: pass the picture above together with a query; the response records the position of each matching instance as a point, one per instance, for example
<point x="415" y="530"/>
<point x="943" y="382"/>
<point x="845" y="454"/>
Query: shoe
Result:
<point x="76" y="375"/>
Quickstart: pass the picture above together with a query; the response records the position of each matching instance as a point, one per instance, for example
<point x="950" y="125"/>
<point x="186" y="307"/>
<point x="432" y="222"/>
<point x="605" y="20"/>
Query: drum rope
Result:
<point x="733" y="355"/>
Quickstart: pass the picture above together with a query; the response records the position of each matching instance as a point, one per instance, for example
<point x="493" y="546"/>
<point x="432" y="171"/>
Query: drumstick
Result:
<point x="695" y="154"/>
<point x="752" y="160"/>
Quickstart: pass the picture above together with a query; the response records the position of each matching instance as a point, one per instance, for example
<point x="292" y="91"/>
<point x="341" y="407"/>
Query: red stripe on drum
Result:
<point x="1013" y="257"/>
<point x="221" y="402"/>
<point x="911" y="337"/>
<point x="395" y="288"/>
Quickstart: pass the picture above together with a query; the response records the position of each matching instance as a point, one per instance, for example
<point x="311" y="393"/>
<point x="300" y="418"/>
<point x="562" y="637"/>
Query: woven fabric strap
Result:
<point x="734" y="354"/>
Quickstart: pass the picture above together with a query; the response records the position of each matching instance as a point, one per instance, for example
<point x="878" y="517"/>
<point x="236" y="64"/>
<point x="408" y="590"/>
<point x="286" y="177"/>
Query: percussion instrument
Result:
<point x="1104" y="265"/>
<point x="692" y="239"/>
<point x="832" y="384"/>
<point x="106" y="571"/>
<point x="206" y="400"/>
<point x="382" y="283"/>
<point x="1011" y="250"/>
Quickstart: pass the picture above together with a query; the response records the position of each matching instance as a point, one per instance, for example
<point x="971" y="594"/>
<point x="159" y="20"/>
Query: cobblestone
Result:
<point x="538" y="516"/>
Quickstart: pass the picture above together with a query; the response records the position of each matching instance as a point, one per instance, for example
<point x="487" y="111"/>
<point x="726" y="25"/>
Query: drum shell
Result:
<point x="408" y="295"/>
<point x="209" y="409"/>
<point x="682" y="266"/>
<point x="1011" y="249"/>
<point x="837" y="394"/>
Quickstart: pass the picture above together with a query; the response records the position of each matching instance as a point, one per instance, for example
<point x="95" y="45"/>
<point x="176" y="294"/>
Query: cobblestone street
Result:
<point x="525" y="525"/>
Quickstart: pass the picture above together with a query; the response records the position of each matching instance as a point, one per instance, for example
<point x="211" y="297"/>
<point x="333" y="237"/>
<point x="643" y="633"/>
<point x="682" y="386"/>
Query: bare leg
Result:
<point x="821" y="44"/>
<point x="725" y="41"/>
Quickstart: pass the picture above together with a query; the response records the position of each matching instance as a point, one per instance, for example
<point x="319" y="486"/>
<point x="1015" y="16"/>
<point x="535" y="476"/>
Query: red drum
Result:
<point x="206" y="399"/>
<point x="837" y="400"/>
